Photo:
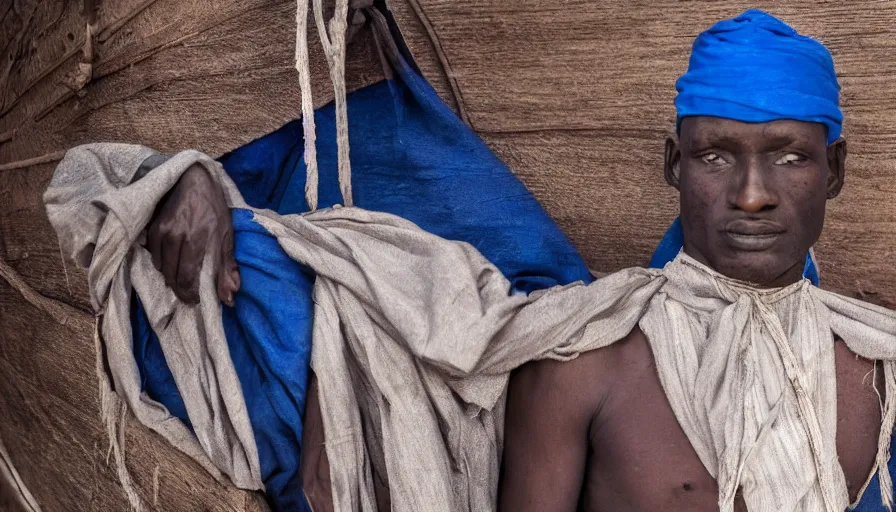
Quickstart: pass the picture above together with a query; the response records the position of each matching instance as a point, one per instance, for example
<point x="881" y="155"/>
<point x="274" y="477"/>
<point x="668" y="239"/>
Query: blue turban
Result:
<point x="755" y="68"/>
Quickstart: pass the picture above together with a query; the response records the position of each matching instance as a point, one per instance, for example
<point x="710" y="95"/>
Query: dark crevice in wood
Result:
<point x="53" y="106"/>
<point x="43" y="74"/>
<point x="5" y="13"/>
<point x="50" y="25"/>
<point x="13" y="39"/>
<point x="443" y="62"/>
<point x="88" y="11"/>
<point x="116" y="25"/>
<point x="14" y="49"/>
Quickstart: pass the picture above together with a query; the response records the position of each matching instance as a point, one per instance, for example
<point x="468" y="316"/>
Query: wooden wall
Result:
<point x="575" y="95"/>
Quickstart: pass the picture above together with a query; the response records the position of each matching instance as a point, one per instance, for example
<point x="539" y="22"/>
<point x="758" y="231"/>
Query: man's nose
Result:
<point x="752" y="191"/>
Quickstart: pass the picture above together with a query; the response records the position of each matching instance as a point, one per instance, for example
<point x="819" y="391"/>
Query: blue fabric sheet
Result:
<point x="268" y="334"/>
<point x="871" y="501"/>
<point x="411" y="156"/>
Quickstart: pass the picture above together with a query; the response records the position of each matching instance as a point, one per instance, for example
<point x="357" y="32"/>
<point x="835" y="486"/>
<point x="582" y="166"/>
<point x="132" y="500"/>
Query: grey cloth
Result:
<point x="415" y="336"/>
<point x="100" y="217"/>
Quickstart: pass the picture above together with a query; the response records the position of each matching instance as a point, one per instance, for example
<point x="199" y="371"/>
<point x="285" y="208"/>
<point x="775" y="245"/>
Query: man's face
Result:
<point x="753" y="194"/>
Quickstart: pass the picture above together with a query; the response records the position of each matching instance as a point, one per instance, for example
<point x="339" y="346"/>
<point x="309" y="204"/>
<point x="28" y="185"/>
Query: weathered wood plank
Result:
<point x="531" y="65"/>
<point x="613" y="211"/>
<point x="56" y="34"/>
<point x="159" y="71"/>
<point x="51" y="425"/>
<point x="28" y="242"/>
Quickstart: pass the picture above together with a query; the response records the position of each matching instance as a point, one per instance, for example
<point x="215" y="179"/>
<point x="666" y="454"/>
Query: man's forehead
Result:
<point x="706" y="129"/>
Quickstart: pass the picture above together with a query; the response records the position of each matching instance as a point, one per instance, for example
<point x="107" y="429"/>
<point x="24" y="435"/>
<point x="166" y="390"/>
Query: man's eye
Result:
<point x="713" y="159"/>
<point x="790" y="159"/>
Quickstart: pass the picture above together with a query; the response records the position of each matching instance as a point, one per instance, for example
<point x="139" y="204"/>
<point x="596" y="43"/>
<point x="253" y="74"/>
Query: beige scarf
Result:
<point x="750" y="376"/>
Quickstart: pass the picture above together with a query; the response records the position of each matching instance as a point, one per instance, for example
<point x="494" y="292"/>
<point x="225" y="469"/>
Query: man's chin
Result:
<point x="761" y="268"/>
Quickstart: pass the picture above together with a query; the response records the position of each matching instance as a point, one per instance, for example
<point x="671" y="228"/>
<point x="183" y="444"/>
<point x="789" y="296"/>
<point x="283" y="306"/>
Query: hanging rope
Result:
<point x="333" y="42"/>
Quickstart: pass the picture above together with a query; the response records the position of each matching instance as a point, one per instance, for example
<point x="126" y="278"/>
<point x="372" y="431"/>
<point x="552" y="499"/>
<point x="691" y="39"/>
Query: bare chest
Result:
<point x="640" y="459"/>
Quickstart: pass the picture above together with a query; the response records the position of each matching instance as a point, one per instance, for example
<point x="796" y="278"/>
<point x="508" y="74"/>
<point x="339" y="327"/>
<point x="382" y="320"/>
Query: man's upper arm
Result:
<point x="549" y="409"/>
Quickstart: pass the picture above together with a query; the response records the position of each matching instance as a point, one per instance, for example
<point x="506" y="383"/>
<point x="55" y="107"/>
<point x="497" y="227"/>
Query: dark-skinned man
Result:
<point x="741" y="387"/>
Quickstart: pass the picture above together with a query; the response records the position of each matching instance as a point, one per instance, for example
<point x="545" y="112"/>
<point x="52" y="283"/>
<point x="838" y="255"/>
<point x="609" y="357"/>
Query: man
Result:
<point x="758" y="155"/>
<point x="720" y="397"/>
<point x="599" y="428"/>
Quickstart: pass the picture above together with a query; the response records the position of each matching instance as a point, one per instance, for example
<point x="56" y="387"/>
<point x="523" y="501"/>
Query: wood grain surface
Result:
<point x="50" y="425"/>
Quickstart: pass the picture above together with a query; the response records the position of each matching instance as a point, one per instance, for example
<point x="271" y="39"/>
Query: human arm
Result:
<point x="550" y="405"/>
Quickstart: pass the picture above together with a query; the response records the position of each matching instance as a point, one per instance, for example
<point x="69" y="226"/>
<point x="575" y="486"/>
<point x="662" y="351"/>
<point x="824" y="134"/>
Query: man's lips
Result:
<point x="753" y="235"/>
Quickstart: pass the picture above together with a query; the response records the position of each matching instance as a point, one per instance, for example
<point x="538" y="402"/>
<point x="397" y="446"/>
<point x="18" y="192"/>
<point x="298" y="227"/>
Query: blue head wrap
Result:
<point x="756" y="68"/>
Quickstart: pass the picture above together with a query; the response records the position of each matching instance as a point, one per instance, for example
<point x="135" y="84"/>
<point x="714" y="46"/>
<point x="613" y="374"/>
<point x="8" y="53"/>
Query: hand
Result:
<point x="190" y="221"/>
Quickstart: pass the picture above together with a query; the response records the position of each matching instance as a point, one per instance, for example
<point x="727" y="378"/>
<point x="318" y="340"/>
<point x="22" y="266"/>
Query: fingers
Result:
<point x="189" y="267"/>
<point x="193" y="219"/>
<point x="229" y="280"/>
<point x="178" y="257"/>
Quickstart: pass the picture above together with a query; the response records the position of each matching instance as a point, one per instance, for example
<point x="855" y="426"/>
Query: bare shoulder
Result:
<point x="860" y="383"/>
<point x="583" y="382"/>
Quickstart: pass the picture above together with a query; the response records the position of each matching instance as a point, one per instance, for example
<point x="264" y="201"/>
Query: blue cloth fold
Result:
<point x="871" y="501"/>
<point x="755" y="68"/>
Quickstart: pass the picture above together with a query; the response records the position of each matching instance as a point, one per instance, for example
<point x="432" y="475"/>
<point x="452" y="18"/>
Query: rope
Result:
<point x="333" y="42"/>
<point x="304" y="69"/>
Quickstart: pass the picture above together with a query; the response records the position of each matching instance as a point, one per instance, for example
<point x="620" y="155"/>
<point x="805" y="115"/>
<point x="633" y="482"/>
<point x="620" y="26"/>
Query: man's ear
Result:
<point x="836" y="166"/>
<point x="672" y="163"/>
